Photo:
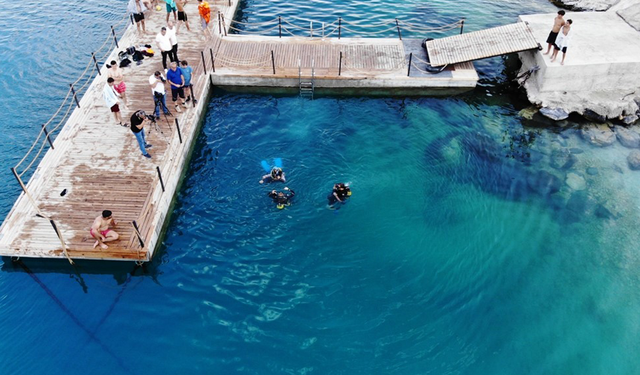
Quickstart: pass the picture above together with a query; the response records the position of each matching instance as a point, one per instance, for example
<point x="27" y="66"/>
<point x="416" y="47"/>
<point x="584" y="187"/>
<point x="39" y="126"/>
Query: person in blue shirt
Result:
<point x="176" y="80"/>
<point x="186" y="73"/>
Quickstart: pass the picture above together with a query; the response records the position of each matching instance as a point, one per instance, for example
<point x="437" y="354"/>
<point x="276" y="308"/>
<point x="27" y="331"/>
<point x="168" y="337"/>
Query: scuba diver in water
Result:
<point x="282" y="199"/>
<point x="341" y="192"/>
<point x="276" y="175"/>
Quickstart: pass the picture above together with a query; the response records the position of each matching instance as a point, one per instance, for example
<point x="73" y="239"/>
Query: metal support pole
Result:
<point x="273" y="62"/>
<point x="213" y="64"/>
<point x="461" y="26"/>
<point x="131" y="17"/>
<point x="204" y="64"/>
<point x="219" y="24"/>
<point x="280" y="26"/>
<point x="44" y="128"/>
<point x="135" y="226"/>
<point x="160" y="177"/>
<point x="398" y="26"/>
<point x="340" y="66"/>
<point x="114" y="37"/>
<point x="409" y="70"/>
<point x="224" y="26"/>
<point x="339" y="26"/>
<point x="193" y="98"/>
<point x="96" y="62"/>
<point x="178" y="127"/>
<point x="229" y="3"/>
<point x="74" y="95"/>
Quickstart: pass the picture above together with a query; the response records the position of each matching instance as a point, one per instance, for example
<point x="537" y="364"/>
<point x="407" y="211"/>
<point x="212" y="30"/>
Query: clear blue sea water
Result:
<point x="450" y="257"/>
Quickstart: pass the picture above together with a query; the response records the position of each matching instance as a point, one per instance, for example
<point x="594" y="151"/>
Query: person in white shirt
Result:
<point x="562" y="42"/>
<point x="164" y="45"/>
<point x="172" y="30"/>
<point x="111" y="99"/>
<point x="156" y="81"/>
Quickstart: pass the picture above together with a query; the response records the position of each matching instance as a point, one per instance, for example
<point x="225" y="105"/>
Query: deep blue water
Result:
<point x="451" y="257"/>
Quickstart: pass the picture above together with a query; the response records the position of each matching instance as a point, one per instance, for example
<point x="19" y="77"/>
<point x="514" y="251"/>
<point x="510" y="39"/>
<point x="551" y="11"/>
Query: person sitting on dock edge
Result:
<point x="562" y="42"/>
<point x="276" y="175"/>
<point x="176" y="80"/>
<point x="282" y="199"/>
<point x="558" y="22"/>
<point x="101" y="231"/>
<point x="138" y="121"/>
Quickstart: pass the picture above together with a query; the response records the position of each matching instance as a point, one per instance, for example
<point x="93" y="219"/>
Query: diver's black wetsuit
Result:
<point x="280" y="198"/>
<point x="342" y="191"/>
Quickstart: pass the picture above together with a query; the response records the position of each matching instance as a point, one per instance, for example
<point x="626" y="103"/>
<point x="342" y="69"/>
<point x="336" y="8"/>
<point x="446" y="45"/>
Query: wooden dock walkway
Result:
<point x="481" y="44"/>
<point x="99" y="164"/>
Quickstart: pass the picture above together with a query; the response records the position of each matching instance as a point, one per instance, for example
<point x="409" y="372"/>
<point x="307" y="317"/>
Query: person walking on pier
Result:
<point x="156" y="80"/>
<point x="562" y="42"/>
<point x="558" y="22"/>
<point x="138" y="120"/>
<point x="182" y="16"/>
<point x="176" y="80"/>
<point x="173" y="38"/>
<point x="137" y="9"/>
<point x="164" y="45"/>
<point x="205" y="16"/>
<point x="171" y="7"/>
<point x="111" y="99"/>
<point x="186" y="73"/>
<point x="101" y="229"/>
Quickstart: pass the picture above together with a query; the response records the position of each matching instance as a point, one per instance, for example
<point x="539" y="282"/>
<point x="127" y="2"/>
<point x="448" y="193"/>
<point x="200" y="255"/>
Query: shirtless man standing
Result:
<point x="100" y="229"/>
<point x="558" y="22"/>
<point x="182" y="16"/>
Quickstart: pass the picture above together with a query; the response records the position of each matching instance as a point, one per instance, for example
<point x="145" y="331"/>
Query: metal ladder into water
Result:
<point x="307" y="87"/>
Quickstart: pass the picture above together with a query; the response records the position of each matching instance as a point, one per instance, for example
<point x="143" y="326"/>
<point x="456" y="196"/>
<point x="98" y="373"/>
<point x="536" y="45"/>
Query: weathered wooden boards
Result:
<point x="481" y="44"/>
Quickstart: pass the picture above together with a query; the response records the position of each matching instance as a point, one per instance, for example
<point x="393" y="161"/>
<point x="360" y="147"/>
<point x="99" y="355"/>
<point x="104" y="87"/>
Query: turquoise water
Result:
<point x="450" y="258"/>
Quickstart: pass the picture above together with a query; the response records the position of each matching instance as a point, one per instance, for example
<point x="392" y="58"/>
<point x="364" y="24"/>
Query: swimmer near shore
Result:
<point x="274" y="173"/>
<point x="340" y="193"/>
<point x="282" y="199"/>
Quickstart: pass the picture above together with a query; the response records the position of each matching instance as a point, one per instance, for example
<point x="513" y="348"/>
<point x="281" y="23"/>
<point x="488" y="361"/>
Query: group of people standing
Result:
<point x="137" y="9"/>
<point x="559" y="37"/>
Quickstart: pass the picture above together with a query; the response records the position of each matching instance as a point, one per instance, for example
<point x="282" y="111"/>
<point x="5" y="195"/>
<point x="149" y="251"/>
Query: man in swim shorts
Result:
<point x="562" y="42"/>
<point x="100" y="229"/>
<point x="558" y="22"/>
<point x="137" y="9"/>
<point x="171" y="7"/>
<point x="182" y="16"/>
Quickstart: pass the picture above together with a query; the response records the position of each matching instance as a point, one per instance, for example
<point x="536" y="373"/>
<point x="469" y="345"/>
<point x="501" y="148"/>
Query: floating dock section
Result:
<point x="83" y="162"/>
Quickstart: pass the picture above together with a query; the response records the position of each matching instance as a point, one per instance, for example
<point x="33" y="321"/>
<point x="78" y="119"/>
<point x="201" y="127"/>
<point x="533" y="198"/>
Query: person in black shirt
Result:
<point x="138" y="120"/>
<point x="282" y="199"/>
<point x="340" y="193"/>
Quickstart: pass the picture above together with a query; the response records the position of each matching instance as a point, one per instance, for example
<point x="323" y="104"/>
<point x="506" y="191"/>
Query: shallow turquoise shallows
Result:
<point x="478" y="239"/>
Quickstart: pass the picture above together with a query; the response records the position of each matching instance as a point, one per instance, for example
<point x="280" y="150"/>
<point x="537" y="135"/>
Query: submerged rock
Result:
<point x="575" y="181"/>
<point x="528" y="112"/>
<point x="603" y="212"/>
<point x="562" y="159"/>
<point x="630" y="119"/>
<point x="634" y="160"/>
<point x="594" y="116"/>
<point x="592" y="171"/>
<point x="544" y="183"/>
<point x="598" y="135"/>
<point x="627" y="137"/>
<point x="597" y="5"/>
<point x="556" y="114"/>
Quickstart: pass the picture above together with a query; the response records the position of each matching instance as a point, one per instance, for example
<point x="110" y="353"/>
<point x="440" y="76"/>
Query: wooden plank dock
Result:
<point x="481" y="44"/>
<point x="99" y="164"/>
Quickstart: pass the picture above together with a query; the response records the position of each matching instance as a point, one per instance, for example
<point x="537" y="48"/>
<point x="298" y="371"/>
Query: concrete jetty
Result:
<point x="601" y="72"/>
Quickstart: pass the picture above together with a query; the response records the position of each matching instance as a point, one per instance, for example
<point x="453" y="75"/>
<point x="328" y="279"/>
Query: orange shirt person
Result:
<point x="205" y="14"/>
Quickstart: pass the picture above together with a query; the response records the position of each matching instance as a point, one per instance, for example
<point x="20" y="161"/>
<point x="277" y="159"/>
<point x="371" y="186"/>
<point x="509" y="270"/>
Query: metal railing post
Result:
<point x="131" y="18"/>
<point x="224" y="26"/>
<point x="213" y="64"/>
<point x="409" y="70"/>
<point x="135" y="226"/>
<point x="204" y="64"/>
<point x="193" y="98"/>
<point x="280" y="26"/>
<point x="114" y="37"/>
<point x="219" y="24"/>
<point x="46" y="133"/>
<point x="178" y="126"/>
<point x="398" y="26"/>
<point x="160" y="177"/>
<point x="273" y="62"/>
<point x="74" y="95"/>
<point x="96" y="62"/>
<point x="340" y="65"/>
<point x="339" y="26"/>
<point x="461" y="26"/>
<point x="229" y="3"/>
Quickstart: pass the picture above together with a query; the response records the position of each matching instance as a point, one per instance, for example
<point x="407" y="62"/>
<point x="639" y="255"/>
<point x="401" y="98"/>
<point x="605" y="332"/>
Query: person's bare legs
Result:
<point x="111" y="236"/>
<point x="124" y="98"/>
<point x="549" y="45"/>
<point x="563" y="56"/>
<point x="554" y="55"/>
<point x="186" y="23"/>
<point x="144" y="30"/>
